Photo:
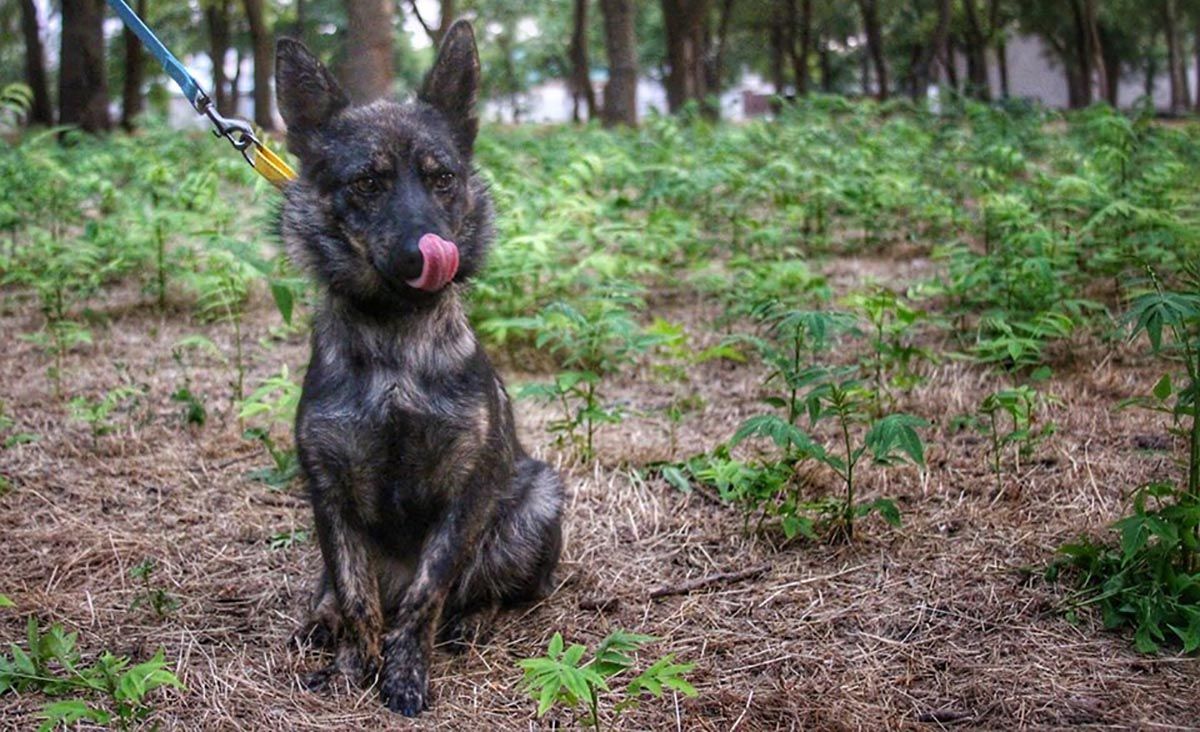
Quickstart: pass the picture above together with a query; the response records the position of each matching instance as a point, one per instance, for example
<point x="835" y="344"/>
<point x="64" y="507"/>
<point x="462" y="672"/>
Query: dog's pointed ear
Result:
<point x="307" y="93"/>
<point x="453" y="83"/>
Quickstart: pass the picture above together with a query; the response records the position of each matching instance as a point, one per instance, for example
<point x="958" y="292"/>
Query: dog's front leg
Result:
<point x="348" y="565"/>
<point x="405" y="678"/>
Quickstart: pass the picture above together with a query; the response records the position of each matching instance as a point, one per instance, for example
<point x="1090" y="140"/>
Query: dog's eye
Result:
<point x="443" y="181"/>
<point x="366" y="185"/>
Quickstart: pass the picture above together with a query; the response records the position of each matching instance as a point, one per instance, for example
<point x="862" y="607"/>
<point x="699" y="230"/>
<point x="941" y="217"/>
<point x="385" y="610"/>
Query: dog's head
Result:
<point x="387" y="208"/>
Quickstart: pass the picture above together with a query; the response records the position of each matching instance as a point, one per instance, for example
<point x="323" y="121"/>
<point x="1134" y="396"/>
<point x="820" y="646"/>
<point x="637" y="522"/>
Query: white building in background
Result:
<point x="550" y="102"/>
<point x="1035" y="73"/>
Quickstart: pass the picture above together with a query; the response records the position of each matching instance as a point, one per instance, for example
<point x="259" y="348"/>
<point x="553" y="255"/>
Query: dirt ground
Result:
<point x="944" y="622"/>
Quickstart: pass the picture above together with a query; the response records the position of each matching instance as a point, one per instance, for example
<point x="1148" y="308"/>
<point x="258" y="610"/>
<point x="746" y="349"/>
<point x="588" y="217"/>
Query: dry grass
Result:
<point x="939" y="623"/>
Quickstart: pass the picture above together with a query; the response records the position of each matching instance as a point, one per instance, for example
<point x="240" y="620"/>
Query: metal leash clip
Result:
<point x="239" y="132"/>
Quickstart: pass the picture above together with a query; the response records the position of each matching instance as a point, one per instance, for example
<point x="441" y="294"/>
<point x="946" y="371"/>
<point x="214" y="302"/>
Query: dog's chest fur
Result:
<point x="403" y="410"/>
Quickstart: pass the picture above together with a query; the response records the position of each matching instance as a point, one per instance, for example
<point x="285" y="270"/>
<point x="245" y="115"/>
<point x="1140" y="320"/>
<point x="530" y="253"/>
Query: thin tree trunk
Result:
<point x="1002" y="64"/>
<point x="42" y="111"/>
<point x="976" y="38"/>
<point x="934" y="50"/>
<point x="581" y="82"/>
<point x="717" y="72"/>
<point x="301" y="29"/>
<point x="1095" y="49"/>
<point x="217" y="16"/>
<point x="620" y="41"/>
<point x="801" y="55"/>
<point x="367" y="70"/>
<point x="826" y="64"/>
<point x="1179" y="91"/>
<point x="264" y="63"/>
<point x="131" y="90"/>
<point x="1082" y="62"/>
<point x="82" y="83"/>
<point x="870" y="15"/>
<point x="949" y="66"/>
<point x="778" y="42"/>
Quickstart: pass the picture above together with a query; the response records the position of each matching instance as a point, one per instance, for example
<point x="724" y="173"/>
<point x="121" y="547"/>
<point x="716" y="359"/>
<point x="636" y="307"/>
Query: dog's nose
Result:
<point x="408" y="261"/>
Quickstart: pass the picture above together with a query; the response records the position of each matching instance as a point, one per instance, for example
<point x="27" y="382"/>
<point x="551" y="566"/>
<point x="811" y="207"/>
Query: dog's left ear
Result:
<point x="453" y="83"/>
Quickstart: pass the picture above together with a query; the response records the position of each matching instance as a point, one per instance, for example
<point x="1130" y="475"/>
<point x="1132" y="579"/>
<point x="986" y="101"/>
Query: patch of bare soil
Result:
<point x="941" y="623"/>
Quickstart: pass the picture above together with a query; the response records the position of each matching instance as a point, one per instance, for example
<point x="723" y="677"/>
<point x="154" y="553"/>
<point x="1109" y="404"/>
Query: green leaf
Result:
<point x="1162" y="390"/>
<point x="5" y="602"/>
<point x="554" y="650"/>
<point x="674" y="476"/>
<point x="284" y="300"/>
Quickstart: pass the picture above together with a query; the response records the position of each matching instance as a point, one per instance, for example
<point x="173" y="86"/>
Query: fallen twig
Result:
<point x="711" y="579"/>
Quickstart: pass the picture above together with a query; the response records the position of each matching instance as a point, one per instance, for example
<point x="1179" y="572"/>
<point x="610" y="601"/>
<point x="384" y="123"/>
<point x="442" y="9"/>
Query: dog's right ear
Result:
<point x="308" y="94"/>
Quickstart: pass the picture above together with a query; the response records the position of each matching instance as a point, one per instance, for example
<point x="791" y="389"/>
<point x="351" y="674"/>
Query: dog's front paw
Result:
<point x="405" y="682"/>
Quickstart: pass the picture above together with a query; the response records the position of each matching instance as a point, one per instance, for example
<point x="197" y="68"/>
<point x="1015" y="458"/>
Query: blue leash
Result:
<point x="239" y="132"/>
<point x="195" y="96"/>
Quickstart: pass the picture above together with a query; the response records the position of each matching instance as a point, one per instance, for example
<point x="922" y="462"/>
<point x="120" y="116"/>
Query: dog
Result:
<point x="427" y="508"/>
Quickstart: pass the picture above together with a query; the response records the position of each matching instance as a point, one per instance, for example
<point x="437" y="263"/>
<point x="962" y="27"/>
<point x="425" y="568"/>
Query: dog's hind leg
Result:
<point x="516" y="561"/>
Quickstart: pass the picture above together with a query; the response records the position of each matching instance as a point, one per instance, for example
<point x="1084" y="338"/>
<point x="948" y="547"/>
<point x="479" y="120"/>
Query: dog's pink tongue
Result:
<point x="440" y="263"/>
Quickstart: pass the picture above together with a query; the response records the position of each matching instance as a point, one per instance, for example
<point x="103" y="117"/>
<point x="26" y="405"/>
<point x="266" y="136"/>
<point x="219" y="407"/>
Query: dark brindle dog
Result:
<point x="427" y="508"/>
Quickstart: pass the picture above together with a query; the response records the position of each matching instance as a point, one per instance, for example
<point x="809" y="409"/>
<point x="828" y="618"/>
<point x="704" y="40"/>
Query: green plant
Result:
<point x="893" y="324"/>
<point x="108" y="692"/>
<point x="1022" y="405"/>
<point x="154" y="597"/>
<point x="288" y="539"/>
<point x="10" y="438"/>
<point x="274" y="402"/>
<point x="592" y="340"/>
<point x="1150" y="580"/>
<point x="562" y="677"/>
<point x="97" y="412"/>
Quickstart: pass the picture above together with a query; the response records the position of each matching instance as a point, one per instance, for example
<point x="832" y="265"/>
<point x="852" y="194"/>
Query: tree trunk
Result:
<point x="716" y="72"/>
<point x="923" y="74"/>
<point x="826" y="64"/>
<point x="1179" y="91"/>
<point x="217" y="17"/>
<point x="870" y="15"/>
<point x="1095" y="49"/>
<point x="581" y="82"/>
<point x="1151" y="61"/>
<point x="367" y="68"/>
<point x="802" y="22"/>
<point x="976" y="39"/>
<point x="620" y="42"/>
<point x="301" y="29"/>
<point x="131" y="90"/>
<point x="777" y="50"/>
<point x="1082" y="63"/>
<point x="82" y="83"/>
<point x="684" y="21"/>
<point x="1002" y="64"/>
<point x="948" y="64"/>
<point x="264" y="63"/>
<point x="42" y="111"/>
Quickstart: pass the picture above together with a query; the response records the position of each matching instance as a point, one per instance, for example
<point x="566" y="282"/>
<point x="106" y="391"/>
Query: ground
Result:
<point x="942" y="622"/>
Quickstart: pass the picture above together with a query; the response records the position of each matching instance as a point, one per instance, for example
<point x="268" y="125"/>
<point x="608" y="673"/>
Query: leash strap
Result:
<point x="239" y="132"/>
